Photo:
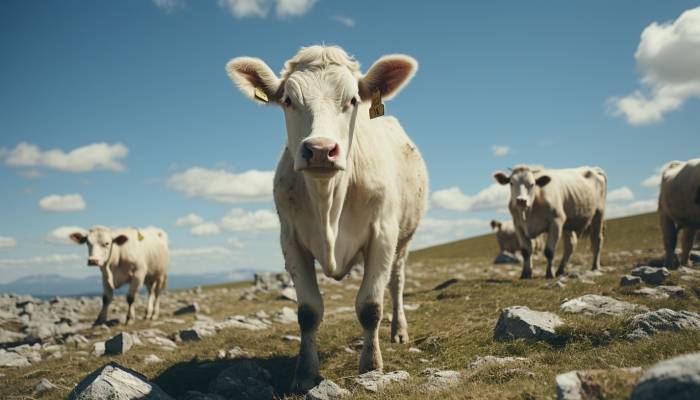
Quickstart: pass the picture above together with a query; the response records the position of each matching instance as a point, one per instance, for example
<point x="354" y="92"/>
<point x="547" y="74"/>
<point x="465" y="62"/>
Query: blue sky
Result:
<point x="140" y="87"/>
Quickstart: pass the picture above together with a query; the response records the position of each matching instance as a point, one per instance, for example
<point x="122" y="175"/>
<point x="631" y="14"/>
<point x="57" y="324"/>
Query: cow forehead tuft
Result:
<point x="319" y="57"/>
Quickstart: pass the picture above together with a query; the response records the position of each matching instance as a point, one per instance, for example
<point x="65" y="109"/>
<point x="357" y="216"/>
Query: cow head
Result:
<point x="524" y="183"/>
<point x="100" y="242"/>
<point x="321" y="92"/>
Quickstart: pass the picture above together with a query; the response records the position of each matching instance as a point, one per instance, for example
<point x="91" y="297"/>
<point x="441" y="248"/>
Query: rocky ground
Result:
<point x="478" y="331"/>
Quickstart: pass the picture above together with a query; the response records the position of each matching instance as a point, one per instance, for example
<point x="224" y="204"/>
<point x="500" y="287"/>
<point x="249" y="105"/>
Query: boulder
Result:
<point x="288" y="293"/>
<point x="593" y="304"/>
<point x="481" y="361"/>
<point x="649" y="323"/>
<point x="286" y="316"/>
<point x="194" y="333"/>
<point x="506" y="257"/>
<point x="521" y="322"/>
<point x="119" y="344"/>
<point x="675" y="379"/>
<point x="42" y="387"/>
<point x="113" y="381"/>
<point x="630" y="280"/>
<point x="327" y="390"/>
<point x="651" y="275"/>
<point x="188" y="309"/>
<point x="374" y="381"/>
<point x="272" y="281"/>
<point x="9" y="337"/>
<point x="152" y="359"/>
<point x="440" y="379"/>
<point x="12" y="359"/>
<point x="589" y="384"/>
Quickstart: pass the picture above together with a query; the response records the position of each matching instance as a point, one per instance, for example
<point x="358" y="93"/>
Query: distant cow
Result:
<point x="508" y="239"/>
<point x="560" y="202"/>
<point x="679" y="208"/>
<point x="133" y="256"/>
<point x="348" y="189"/>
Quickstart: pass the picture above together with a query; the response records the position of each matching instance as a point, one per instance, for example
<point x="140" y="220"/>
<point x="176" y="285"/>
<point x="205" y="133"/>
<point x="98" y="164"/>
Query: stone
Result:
<point x="245" y="380"/>
<point x="446" y="284"/>
<point x="288" y="293"/>
<point x="589" y="384"/>
<point x="673" y="291"/>
<point x="593" y="304"/>
<point x="12" y="359"/>
<point x="42" y="387"/>
<point x="327" y="390"/>
<point x="272" y="281"/>
<point x="152" y="359"/>
<point x="651" y="275"/>
<point x="375" y="381"/>
<point x="8" y="337"/>
<point x="481" y="361"/>
<point x="286" y="316"/>
<point x="673" y="379"/>
<point x="119" y="344"/>
<point x="194" y="334"/>
<point x="440" y="380"/>
<point x="161" y="342"/>
<point x="98" y="349"/>
<point x="188" y="309"/>
<point x="113" y="381"/>
<point x="647" y="324"/>
<point x="521" y="322"/>
<point x="291" y="338"/>
<point x="506" y="257"/>
<point x="653" y="293"/>
<point x="234" y="352"/>
<point x="630" y="280"/>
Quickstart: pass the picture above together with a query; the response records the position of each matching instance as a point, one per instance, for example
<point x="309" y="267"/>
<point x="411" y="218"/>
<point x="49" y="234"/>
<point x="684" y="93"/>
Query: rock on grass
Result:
<point x="375" y="381"/>
<point x="647" y="324"/>
<point x="651" y="275"/>
<point x="521" y="322"/>
<point x="673" y="379"/>
<point x="327" y="390"/>
<point x="119" y="344"/>
<point x="593" y="304"/>
<point x="116" y="382"/>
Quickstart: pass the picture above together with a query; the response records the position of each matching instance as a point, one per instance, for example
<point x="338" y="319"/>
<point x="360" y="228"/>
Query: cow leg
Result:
<point x="151" y="286"/>
<point x="569" y="238"/>
<point x="687" y="245"/>
<point x="107" y="295"/>
<point x="300" y="265"/>
<point x="369" y="302"/>
<point x="399" y="326"/>
<point x="159" y="289"/>
<point x="555" y="231"/>
<point x="526" y="250"/>
<point x="134" y="287"/>
<point x="670" y="235"/>
<point x="597" y="233"/>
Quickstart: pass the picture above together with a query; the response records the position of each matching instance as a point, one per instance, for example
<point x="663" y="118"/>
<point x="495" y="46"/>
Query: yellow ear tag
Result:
<point x="260" y="95"/>
<point x="377" y="108"/>
<point x="140" y="236"/>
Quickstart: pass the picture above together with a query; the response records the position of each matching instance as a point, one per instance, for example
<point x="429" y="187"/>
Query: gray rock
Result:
<point x="675" y="379"/>
<point x="493" y="360"/>
<point x="653" y="293"/>
<point x="521" y="322"/>
<point x="440" y="380"/>
<point x="568" y="386"/>
<point x="673" y="291"/>
<point x="118" y="383"/>
<point x="630" y="280"/>
<point x="506" y="257"/>
<point x="272" y="281"/>
<point x="288" y="293"/>
<point x="577" y="385"/>
<point x="42" y="387"/>
<point x="291" y="338"/>
<point x="98" y="349"/>
<point x="651" y="275"/>
<point x="232" y="353"/>
<point x="119" y="344"/>
<point x="152" y="359"/>
<point x="594" y="304"/>
<point x="7" y="337"/>
<point x="245" y="380"/>
<point x="327" y="390"/>
<point x="12" y="359"/>
<point x="286" y="316"/>
<point x="194" y="333"/>
<point x="188" y="309"/>
<point x="652" y="322"/>
<point x="375" y="381"/>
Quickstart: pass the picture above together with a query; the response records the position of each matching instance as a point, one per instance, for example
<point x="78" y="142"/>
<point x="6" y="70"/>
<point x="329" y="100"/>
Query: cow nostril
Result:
<point x="306" y="152"/>
<point x="334" y="151"/>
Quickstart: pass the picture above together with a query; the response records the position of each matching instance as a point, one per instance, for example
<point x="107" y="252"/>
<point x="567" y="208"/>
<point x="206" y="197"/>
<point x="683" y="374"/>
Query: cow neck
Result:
<point x="328" y="195"/>
<point x="112" y="259"/>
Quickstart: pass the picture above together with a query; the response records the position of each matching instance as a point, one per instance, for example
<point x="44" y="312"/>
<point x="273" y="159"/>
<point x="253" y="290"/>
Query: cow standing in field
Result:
<point x="348" y="189"/>
<point x="133" y="256"/>
<point x="563" y="203"/>
<point x="679" y="208"/>
<point x="508" y="240"/>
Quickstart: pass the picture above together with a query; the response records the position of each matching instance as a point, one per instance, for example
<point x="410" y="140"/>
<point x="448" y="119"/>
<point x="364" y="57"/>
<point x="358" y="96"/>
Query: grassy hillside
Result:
<point x="450" y="327"/>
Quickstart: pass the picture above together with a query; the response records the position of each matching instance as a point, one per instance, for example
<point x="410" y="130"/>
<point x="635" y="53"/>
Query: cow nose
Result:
<point x="92" y="262"/>
<point x="320" y="150"/>
<point x="521" y="202"/>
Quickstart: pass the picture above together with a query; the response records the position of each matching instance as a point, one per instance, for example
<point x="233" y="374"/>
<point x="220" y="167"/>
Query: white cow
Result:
<point x="563" y="203"/>
<point x="133" y="256"/>
<point x="508" y="240"/>
<point x="679" y="208"/>
<point x="348" y="189"/>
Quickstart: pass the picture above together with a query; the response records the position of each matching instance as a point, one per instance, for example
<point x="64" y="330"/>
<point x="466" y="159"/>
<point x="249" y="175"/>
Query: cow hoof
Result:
<point x="549" y="276"/>
<point x="400" y="337"/>
<point x="526" y="276"/>
<point x="303" y="385"/>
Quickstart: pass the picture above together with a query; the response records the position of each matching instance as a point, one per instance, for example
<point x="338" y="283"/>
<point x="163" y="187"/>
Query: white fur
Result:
<point x="508" y="241"/>
<point x="560" y="202"/>
<point x="679" y="208"/>
<point x="367" y="210"/>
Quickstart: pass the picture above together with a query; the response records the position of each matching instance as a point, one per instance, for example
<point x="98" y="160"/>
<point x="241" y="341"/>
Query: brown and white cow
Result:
<point x="133" y="256"/>
<point x="679" y="208"/>
<point x="348" y="189"/>
<point x="563" y="203"/>
<point x="508" y="240"/>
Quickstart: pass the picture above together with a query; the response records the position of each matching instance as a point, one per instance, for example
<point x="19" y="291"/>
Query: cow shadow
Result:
<point x="196" y="375"/>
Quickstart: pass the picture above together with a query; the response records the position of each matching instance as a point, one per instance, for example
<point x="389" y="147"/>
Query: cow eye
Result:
<point x="106" y="244"/>
<point x="353" y="102"/>
<point x="287" y="102"/>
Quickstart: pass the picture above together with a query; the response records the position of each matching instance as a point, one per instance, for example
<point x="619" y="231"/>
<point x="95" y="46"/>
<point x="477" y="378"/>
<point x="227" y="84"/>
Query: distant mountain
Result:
<point x="49" y="285"/>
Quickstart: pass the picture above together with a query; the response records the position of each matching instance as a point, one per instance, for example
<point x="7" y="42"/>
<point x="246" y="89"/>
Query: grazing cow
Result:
<point x="348" y="189"/>
<point x="563" y="203"/>
<point x="679" y="208"/>
<point x="133" y="256"/>
<point x="508" y="239"/>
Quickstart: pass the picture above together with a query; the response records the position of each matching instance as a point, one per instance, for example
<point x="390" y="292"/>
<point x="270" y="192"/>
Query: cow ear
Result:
<point x="501" y="178"/>
<point x="121" y="239"/>
<point x="388" y="75"/>
<point x="543" y="180"/>
<point x="254" y="78"/>
<point x="495" y="224"/>
<point x="78" y="237"/>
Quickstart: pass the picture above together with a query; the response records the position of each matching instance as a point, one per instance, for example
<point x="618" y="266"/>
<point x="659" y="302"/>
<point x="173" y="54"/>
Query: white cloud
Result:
<point x="434" y="230"/>
<point x="621" y="194"/>
<point x="668" y="58"/>
<point x="614" y="210"/>
<point x="347" y="21"/>
<point x="499" y="150"/>
<point x="246" y="8"/>
<point x="494" y="197"/>
<point x="60" y="234"/>
<point x="654" y="181"/>
<point x="41" y="260"/>
<point x="82" y="159"/>
<point x="216" y="251"/>
<point x="293" y="8"/>
<point x="62" y="203"/>
<point x="239" y="220"/>
<point x="205" y="229"/>
<point x="189" y="220"/>
<point x="235" y="243"/>
<point x="223" y="186"/>
<point x="169" y="5"/>
<point x="7" y="242"/>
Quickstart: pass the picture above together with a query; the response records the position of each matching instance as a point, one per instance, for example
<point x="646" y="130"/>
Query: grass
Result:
<point x="452" y="326"/>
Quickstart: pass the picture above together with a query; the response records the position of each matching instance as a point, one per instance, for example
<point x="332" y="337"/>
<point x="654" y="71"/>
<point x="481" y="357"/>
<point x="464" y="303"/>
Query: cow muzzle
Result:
<point x="92" y="262"/>
<point x="520" y="202"/>
<point x="320" y="156"/>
